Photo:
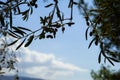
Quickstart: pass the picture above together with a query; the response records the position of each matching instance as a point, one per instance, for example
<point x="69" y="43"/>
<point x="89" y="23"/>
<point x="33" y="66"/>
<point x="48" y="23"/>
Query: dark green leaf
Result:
<point x="75" y="3"/>
<point x="99" y="57"/>
<point x="91" y="43"/>
<point x="11" y="33"/>
<point x="13" y="42"/>
<point x="49" y="36"/>
<point x="25" y="17"/>
<point x="86" y="33"/>
<point x="31" y="10"/>
<point x="2" y="20"/>
<point x="21" y="44"/>
<point x="36" y="5"/>
<point x="105" y="60"/>
<point x="42" y="35"/>
<point x="21" y="34"/>
<point x="59" y="16"/>
<point x="30" y="39"/>
<point x="23" y="28"/>
<point x="49" y="5"/>
<point x="96" y="42"/>
<point x="115" y="60"/>
<point x="25" y="12"/>
<point x="70" y="4"/>
<point x="87" y="23"/>
<point x="63" y="29"/>
<point x="70" y="23"/>
<point x="18" y="9"/>
<point x="2" y="3"/>
<point x="110" y="61"/>
<point x="91" y="33"/>
<point x="11" y="22"/>
<point x="17" y="30"/>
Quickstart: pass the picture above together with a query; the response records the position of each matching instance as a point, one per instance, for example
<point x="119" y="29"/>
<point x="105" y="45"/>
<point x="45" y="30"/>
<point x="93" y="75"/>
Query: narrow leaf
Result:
<point x="11" y="22"/>
<point x="86" y="33"/>
<point x="22" y="28"/>
<point x="75" y="3"/>
<point x="115" y="60"/>
<point x="70" y="4"/>
<point x="17" y="30"/>
<point x="91" y="43"/>
<point x="11" y="33"/>
<point x="49" y="5"/>
<point x="18" y="9"/>
<point x="70" y="23"/>
<point x="21" y="44"/>
<point x="13" y="42"/>
<point x="2" y="20"/>
<point x="31" y="10"/>
<point x="2" y="3"/>
<point x="99" y="57"/>
<point x="110" y="61"/>
<point x="19" y="33"/>
<point x="25" y="12"/>
<point x="30" y="39"/>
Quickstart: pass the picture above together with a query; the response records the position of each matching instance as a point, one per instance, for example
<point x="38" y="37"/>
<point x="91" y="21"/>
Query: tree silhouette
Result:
<point x="49" y="26"/>
<point x="103" y="20"/>
<point x="105" y="73"/>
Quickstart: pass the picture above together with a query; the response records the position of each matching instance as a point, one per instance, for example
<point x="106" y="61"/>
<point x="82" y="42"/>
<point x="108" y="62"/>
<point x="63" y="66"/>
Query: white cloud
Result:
<point x="42" y="65"/>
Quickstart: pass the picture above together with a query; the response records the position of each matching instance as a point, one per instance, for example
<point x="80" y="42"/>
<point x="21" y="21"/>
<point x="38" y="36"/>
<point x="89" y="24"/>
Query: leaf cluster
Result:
<point x="105" y="73"/>
<point x="50" y="24"/>
<point x="104" y="26"/>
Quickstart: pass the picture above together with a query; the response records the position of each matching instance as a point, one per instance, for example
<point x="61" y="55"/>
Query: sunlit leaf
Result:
<point x="20" y="44"/>
<point x="11" y="33"/>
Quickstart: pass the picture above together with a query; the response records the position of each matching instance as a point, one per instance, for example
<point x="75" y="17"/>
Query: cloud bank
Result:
<point x="42" y="65"/>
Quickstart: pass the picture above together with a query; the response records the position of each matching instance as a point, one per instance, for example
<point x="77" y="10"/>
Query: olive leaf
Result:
<point x="49" y="5"/>
<point x="30" y="39"/>
<point x="20" y="44"/>
<point x="91" y="43"/>
<point x="12" y="43"/>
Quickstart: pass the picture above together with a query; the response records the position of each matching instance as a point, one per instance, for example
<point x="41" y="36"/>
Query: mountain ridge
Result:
<point x="20" y="78"/>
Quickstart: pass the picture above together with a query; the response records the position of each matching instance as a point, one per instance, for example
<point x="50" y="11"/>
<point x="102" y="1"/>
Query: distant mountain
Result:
<point x="20" y="78"/>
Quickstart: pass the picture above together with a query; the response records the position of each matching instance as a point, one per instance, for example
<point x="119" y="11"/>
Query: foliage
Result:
<point x="105" y="73"/>
<point x="49" y="27"/>
<point x="103" y="20"/>
<point x="50" y="23"/>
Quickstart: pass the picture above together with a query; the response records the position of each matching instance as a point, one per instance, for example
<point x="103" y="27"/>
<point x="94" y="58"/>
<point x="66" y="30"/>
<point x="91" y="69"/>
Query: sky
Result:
<point x="66" y="57"/>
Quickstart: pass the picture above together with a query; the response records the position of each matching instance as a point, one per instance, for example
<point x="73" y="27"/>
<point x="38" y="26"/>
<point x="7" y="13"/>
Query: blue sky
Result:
<point x="66" y="57"/>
